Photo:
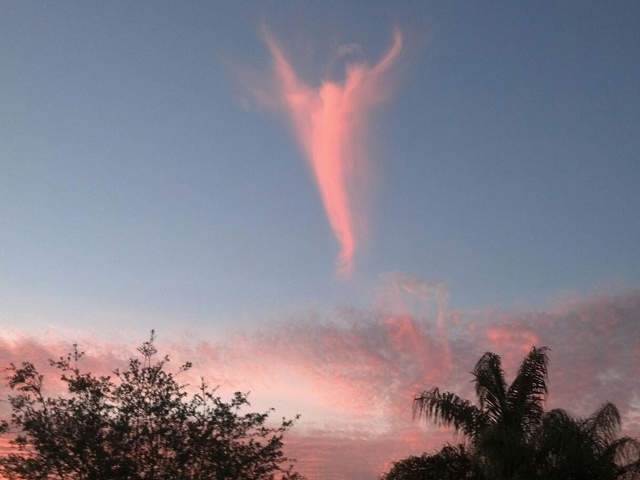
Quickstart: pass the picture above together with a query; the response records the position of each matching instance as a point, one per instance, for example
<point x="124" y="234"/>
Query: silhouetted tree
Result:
<point x="450" y="463"/>
<point x="512" y="438"/>
<point x="503" y="425"/>
<point x="571" y="448"/>
<point x="139" y="423"/>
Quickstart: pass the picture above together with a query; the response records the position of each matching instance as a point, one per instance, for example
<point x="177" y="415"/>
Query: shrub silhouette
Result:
<point x="139" y="423"/>
<point x="450" y="463"/>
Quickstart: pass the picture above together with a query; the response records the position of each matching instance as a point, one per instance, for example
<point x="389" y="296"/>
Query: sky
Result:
<point x="409" y="182"/>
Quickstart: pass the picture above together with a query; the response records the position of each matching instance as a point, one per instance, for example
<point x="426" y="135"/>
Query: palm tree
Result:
<point x="503" y="425"/>
<point x="573" y="448"/>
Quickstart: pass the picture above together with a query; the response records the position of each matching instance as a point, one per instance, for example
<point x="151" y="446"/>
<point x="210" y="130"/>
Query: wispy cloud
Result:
<point x="328" y="121"/>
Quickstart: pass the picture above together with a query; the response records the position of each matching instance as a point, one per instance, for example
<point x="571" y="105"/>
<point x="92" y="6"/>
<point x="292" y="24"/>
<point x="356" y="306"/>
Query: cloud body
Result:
<point x="328" y="121"/>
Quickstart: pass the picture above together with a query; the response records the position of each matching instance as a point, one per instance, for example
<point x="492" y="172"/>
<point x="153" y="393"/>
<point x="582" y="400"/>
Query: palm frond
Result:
<point x="625" y="452"/>
<point x="448" y="409"/>
<point x="557" y="418"/>
<point x="527" y="393"/>
<point x="490" y="385"/>
<point x="604" y="423"/>
<point x="630" y="463"/>
<point x="558" y="428"/>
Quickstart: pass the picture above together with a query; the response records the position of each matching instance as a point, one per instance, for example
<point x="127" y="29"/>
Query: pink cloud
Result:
<point x="352" y="377"/>
<point x="328" y="121"/>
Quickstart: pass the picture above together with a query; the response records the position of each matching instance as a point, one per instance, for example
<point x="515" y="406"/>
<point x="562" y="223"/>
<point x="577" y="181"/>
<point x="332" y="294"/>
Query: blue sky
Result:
<point x="134" y="179"/>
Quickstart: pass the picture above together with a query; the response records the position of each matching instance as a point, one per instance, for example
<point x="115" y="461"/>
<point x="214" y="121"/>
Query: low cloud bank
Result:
<point x="353" y="377"/>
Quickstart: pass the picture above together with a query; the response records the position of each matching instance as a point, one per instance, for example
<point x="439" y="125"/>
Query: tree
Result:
<point x="139" y="423"/>
<point x="450" y="463"/>
<point x="503" y="425"/>
<point x="512" y="438"/>
<point x="573" y="448"/>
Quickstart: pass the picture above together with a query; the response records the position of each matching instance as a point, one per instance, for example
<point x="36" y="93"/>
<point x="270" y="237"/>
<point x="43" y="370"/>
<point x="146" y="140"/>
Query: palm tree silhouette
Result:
<point x="504" y="423"/>
<point x="573" y="448"/>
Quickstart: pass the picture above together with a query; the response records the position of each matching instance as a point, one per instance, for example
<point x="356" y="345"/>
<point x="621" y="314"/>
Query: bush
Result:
<point x="139" y="423"/>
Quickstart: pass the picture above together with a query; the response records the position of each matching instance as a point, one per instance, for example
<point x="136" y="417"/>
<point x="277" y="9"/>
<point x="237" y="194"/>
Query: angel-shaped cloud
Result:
<point x="327" y="120"/>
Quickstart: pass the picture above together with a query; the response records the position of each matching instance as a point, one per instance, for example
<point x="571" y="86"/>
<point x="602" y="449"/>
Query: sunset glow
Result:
<point x="319" y="240"/>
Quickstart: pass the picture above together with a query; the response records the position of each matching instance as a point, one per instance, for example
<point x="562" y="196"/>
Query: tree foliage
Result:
<point x="505" y="419"/>
<point x="511" y="436"/>
<point x="450" y="463"/>
<point x="573" y="448"/>
<point x="138" y="423"/>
